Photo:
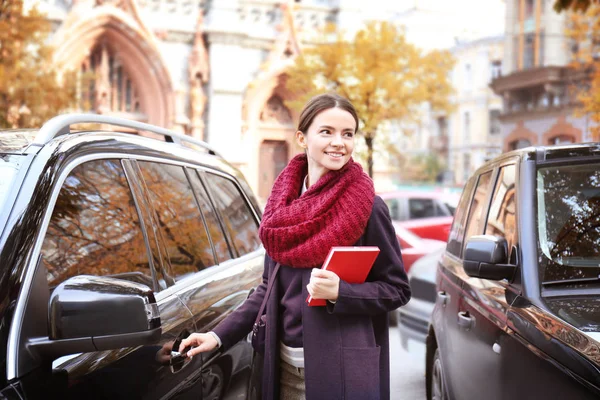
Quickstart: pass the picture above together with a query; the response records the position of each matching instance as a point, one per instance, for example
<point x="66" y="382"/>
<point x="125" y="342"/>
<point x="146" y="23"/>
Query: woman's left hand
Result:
<point x="323" y="285"/>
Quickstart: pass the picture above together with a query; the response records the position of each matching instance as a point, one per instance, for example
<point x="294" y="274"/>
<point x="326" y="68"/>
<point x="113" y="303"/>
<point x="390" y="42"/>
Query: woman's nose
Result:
<point x="336" y="140"/>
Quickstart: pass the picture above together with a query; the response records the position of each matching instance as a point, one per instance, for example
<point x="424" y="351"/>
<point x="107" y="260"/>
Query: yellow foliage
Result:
<point x="379" y="71"/>
<point x="583" y="31"/>
<point x="29" y="90"/>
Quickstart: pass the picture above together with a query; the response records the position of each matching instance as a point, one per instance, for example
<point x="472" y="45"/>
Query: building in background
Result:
<point x="474" y="128"/>
<point x="463" y="140"/>
<point x="534" y="81"/>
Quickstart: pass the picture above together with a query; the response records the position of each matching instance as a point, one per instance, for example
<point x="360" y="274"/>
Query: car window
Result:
<point x="188" y="247"/>
<point x="237" y="216"/>
<point x="457" y="232"/>
<point x="502" y="220"/>
<point x="210" y="216"/>
<point x="478" y="205"/>
<point x="394" y="207"/>
<point x="95" y="228"/>
<point x="421" y="208"/>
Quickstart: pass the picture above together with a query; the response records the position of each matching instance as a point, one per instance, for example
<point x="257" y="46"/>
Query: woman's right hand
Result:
<point x="200" y="342"/>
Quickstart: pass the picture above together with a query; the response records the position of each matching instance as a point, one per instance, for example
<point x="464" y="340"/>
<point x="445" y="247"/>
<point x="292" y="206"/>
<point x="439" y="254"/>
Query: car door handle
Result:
<point x="465" y="320"/>
<point x="443" y="298"/>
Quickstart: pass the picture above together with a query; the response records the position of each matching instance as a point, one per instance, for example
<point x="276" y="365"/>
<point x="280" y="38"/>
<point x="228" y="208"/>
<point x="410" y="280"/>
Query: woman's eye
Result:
<point x="325" y="131"/>
<point x="349" y="134"/>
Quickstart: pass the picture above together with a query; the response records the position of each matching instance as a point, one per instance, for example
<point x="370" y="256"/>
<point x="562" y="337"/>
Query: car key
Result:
<point x="178" y="357"/>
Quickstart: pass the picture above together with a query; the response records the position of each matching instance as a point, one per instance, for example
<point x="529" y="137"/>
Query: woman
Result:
<point x="322" y="199"/>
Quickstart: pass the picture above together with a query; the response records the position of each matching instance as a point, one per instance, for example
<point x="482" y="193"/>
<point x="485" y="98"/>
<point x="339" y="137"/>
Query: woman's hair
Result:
<point x="324" y="102"/>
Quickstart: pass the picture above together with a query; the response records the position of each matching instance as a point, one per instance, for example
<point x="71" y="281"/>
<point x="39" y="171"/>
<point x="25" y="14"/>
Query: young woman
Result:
<point x="321" y="199"/>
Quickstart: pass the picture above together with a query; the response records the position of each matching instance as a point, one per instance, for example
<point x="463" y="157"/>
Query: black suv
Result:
<point x="114" y="247"/>
<point x="518" y="288"/>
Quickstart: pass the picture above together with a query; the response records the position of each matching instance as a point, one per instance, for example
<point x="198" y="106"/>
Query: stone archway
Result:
<point x="137" y="52"/>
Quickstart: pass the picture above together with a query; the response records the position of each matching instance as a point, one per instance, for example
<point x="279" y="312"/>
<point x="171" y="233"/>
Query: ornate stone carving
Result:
<point x="198" y="76"/>
<point x="276" y="112"/>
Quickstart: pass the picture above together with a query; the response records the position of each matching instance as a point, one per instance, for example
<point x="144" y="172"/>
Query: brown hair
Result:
<point x="321" y="103"/>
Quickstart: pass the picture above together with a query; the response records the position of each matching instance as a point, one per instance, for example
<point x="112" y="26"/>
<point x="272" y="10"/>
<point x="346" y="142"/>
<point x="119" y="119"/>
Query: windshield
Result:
<point x="568" y="216"/>
<point x="9" y="166"/>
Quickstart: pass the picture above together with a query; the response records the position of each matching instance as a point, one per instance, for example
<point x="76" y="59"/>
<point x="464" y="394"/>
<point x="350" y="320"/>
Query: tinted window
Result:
<point x="457" y="232"/>
<point x="95" y="229"/>
<point x="188" y="247"/>
<point x="394" y="207"/>
<point x="422" y="208"/>
<point x="237" y="216"/>
<point x="502" y="219"/>
<point x="568" y="215"/>
<point x="212" y="221"/>
<point x="478" y="205"/>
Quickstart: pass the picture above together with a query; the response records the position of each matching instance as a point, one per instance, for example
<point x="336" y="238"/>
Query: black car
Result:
<point x="113" y="248"/>
<point x="517" y="314"/>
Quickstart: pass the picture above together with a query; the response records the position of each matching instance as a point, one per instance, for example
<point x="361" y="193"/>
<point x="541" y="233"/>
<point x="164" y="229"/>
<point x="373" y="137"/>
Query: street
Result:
<point x="407" y="369"/>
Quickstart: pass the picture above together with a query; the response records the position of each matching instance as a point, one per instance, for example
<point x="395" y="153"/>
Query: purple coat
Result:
<point x="346" y="344"/>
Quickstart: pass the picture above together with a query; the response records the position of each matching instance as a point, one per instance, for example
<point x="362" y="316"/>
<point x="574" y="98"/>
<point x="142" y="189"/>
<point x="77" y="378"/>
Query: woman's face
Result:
<point x="329" y="142"/>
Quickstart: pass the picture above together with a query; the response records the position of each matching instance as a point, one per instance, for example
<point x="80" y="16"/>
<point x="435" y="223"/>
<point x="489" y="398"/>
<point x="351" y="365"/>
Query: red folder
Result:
<point x="351" y="263"/>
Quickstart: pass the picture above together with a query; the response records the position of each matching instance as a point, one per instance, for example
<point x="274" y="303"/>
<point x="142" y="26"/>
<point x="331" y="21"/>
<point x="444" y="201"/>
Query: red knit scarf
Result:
<point x="299" y="230"/>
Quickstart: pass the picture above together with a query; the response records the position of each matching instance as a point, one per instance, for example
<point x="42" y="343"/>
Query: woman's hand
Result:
<point x="323" y="285"/>
<point x="200" y="342"/>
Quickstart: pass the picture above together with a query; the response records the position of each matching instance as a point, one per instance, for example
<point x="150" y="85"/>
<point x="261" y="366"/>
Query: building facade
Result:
<point x="209" y="69"/>
<point x="535" y="82"/>
<point x="470" y="135"/>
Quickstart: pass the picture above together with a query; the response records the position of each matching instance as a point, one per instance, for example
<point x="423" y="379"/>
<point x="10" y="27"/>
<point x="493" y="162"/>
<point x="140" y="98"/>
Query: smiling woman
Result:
<point x="321" y="199"/>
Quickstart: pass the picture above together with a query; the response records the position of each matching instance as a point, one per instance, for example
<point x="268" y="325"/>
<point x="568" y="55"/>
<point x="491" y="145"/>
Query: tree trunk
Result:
<point x="369" y="142"/>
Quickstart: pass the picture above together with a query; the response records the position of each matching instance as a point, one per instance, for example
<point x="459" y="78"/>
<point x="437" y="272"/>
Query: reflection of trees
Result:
<point x="502" y="215"/>
<point x="94" y="229"/>
<point x="571" y="197"/>
<point x="188" y="246"/>
<point x="237" y="217"/>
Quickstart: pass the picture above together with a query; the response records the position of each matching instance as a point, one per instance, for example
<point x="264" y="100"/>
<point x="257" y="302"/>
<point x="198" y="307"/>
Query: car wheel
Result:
<point x="393" y="318"/>
<point x="437" y="390"/>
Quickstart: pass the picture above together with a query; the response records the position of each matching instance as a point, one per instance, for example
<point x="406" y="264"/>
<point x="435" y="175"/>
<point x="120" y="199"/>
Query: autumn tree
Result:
<point x="30" y="92"/>
<point x="574" y="5"/>
<point x="583" y="29"/>
<point x="379" y="71"/>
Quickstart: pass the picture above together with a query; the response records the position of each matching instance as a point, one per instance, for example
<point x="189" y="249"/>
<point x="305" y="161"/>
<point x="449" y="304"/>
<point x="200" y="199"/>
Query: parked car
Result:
<point x="413" y="248"/>
<point x="517" y="313"/>
<point x="427" y="214"/>
<point x="415" y="316"/>
<point x="114" y="247"/>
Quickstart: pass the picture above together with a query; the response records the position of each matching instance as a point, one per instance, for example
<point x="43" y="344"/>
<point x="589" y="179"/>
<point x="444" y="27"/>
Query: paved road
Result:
<point x="407" y="369"/>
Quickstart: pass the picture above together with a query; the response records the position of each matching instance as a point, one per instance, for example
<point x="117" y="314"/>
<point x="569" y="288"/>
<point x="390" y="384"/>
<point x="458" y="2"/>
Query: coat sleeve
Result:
<point x="386" y="287"/>
<point x="240" y="322"/>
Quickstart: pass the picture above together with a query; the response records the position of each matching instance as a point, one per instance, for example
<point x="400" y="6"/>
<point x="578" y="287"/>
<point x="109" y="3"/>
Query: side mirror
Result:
<point x="90" y="313"/>
<point x="486" y="257"/>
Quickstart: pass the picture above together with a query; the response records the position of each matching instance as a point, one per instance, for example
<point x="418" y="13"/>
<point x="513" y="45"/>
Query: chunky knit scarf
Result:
<point x="298" y="231"/>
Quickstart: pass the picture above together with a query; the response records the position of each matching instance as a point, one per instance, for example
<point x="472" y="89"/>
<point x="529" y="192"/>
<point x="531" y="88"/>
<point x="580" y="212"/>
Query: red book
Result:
<point x="351" y="263"/>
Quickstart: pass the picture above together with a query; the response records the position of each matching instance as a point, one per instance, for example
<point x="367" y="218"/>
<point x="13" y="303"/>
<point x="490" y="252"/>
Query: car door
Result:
<point x="203" y="260"/>
<point x="98" y="227"/>
<point x="448" y="283"/>
<point x="484" y="303"/>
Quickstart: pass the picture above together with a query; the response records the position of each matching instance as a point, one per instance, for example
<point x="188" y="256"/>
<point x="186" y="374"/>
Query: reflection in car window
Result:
<point x="188" y="247"/>
<point x="394" y="208"/>
<point x="95" y="228"/>
<point x="568" y="215"/>
<point x="237" y="216"/>
<point x="502" y="221"/>
<point x="457" y="231"/>
<point x="216" y="232"/>
<point x="477" y="206"/>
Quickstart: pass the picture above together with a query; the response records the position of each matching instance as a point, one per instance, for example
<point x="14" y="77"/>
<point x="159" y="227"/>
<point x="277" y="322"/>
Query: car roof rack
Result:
<point x="61" y="125"/>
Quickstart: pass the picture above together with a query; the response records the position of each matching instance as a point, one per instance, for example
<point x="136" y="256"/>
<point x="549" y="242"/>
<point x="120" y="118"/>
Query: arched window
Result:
<point x="518" y="144"/>
<point x="561" y="139"/>
<point x="105" y="85"/>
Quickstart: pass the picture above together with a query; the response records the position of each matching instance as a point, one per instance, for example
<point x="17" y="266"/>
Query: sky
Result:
<point x="439" y="23"/>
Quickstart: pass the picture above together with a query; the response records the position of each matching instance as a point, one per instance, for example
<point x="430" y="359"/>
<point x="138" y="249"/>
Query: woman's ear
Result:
<point x="301" y="139"/>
